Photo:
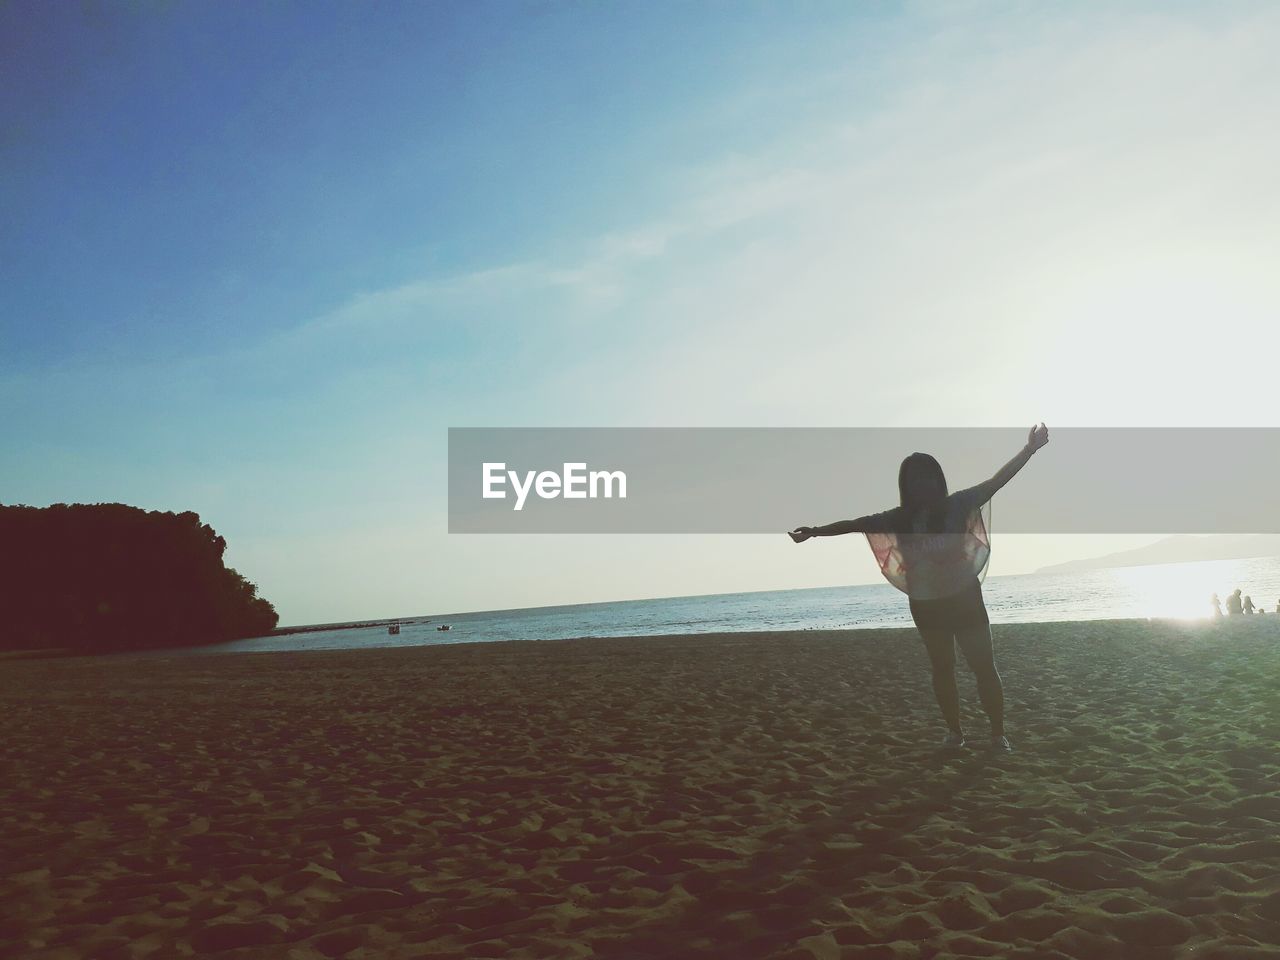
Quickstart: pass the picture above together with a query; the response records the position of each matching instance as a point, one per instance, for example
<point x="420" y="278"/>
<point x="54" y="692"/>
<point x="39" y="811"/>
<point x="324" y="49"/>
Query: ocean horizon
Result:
<point x="1179" y="591"/>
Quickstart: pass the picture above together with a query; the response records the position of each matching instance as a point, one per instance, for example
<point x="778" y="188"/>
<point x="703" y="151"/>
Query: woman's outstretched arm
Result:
<point x="861" y="525"/>
<point x="984" y="491"/>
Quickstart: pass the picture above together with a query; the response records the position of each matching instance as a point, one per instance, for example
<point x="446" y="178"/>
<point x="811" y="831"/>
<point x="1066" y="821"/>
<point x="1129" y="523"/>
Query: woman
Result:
<point x="934" y="547"/>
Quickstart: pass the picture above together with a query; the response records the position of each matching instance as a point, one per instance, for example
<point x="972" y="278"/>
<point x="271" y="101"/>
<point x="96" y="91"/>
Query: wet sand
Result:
<point x="725" y="796"/>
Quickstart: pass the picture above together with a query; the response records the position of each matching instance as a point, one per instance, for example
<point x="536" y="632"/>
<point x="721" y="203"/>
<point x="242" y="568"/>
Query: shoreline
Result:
<point x="1202" y="624"/>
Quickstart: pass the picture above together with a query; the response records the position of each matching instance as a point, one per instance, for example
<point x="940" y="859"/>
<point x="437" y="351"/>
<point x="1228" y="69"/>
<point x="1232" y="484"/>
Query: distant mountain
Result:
<point x="1184" y="548"/>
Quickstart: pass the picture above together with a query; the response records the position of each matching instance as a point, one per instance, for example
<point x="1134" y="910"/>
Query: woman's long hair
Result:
<point x="922" y="464"/>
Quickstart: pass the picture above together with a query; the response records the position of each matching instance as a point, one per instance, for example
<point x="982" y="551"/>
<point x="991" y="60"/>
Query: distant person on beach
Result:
<point x="1234" y="607"/>
<point x="1217" y="607"/>
<point x="934" y="547"/>
<point x="1248" y="604"/>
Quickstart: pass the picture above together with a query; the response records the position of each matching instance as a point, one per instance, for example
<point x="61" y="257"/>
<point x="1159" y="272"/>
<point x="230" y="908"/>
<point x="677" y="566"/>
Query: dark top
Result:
<point x="928" y="564"/>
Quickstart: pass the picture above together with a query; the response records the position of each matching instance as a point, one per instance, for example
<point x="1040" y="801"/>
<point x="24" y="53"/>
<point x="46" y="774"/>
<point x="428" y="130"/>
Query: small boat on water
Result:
<point x="444" y="626"/>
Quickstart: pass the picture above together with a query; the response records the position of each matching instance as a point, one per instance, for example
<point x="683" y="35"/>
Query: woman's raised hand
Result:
<point x="1038" y="437"/>
<point x="800" y="534"/>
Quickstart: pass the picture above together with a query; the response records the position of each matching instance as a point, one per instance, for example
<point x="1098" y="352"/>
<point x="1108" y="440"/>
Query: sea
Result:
<point x="1165" y="591"/>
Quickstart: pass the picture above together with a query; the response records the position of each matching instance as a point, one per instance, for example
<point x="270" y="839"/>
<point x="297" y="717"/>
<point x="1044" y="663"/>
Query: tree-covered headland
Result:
<point x="106" y="576"/>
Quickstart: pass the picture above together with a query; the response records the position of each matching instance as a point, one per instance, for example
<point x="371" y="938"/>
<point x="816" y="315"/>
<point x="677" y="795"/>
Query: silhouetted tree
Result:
<point x="108" y="576"/>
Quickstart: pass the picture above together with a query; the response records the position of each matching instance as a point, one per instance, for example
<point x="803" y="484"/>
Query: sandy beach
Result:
<point x="740" y="796"/>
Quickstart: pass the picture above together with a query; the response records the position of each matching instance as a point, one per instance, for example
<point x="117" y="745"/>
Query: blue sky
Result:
<point x="223" y="170"/>
<point x="255" y="259"/>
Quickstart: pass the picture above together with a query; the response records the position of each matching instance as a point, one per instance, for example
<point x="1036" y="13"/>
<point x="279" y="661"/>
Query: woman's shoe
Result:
<point x="953" y="740"/>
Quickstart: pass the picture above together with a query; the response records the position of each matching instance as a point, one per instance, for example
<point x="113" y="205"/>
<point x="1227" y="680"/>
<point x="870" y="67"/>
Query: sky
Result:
<point x="256" y="259"/>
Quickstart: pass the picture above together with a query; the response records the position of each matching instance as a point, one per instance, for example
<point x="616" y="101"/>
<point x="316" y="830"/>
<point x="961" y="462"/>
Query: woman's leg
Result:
<point x="975" y="644"/>
<point x="941" y="647"/>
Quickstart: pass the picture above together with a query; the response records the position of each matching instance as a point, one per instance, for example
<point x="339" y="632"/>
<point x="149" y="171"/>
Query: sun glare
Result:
<point x="1173" y="591"/>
